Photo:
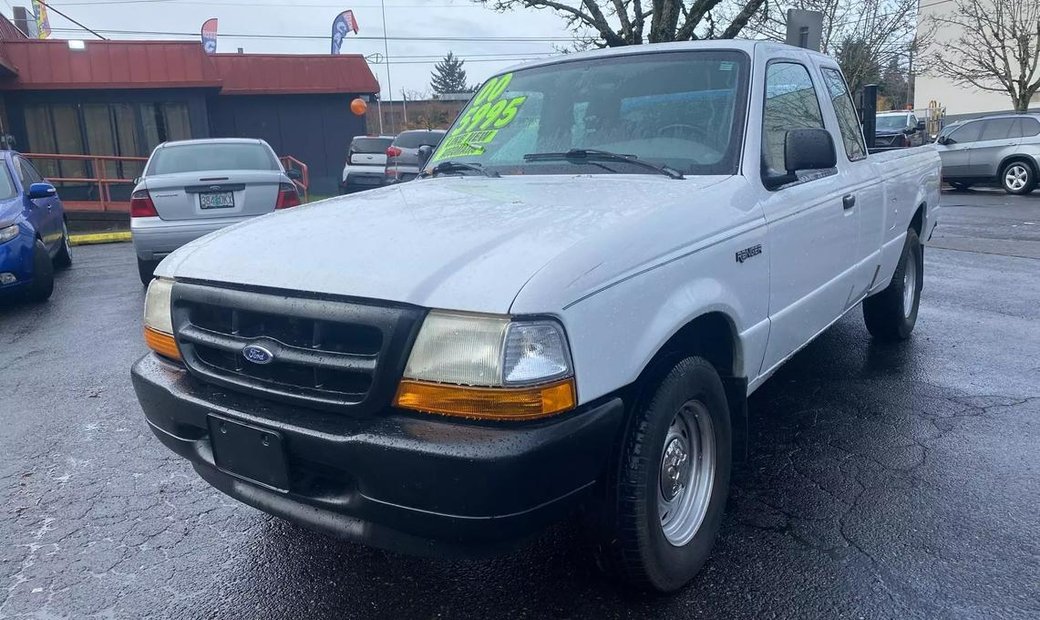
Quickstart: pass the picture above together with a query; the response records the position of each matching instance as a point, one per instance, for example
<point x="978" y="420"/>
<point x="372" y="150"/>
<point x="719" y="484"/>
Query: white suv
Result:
<point x="366" y="163"/>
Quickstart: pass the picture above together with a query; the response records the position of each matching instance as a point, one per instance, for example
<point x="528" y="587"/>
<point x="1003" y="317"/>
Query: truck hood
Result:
<point x="463" y="243"/>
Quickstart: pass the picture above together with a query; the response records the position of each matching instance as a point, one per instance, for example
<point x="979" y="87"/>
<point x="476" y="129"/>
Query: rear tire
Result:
<point x="891" y="314"/>
<point x="1018" y="178"/>
<point x="43" y="275"/>
<point x="146" y="269"/>
<point x="64" y="258"/>
<point x="671" y="481"/>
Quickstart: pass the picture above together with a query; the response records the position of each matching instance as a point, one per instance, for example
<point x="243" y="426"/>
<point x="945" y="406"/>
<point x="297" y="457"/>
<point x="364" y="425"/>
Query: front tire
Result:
<point x="671" y="481"/>
<point x="961" y="186"/>
<point x="1018" y="178"/>
<point x="146" y="269"/>
<point x="64" y="258"/>
<point x="43" y="275"/>
<point x="891" y="314"/>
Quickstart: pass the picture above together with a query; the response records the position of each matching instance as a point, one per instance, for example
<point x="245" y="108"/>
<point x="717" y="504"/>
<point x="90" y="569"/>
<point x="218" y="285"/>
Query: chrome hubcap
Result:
<point x="909" y="284"/>
<point x="687" y="473"/>
<point x="673" y="468"/>
<point x="1016" y="177"/>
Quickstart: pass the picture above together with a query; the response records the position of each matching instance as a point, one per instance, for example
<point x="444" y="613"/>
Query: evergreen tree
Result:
<point x="449" y="76"/>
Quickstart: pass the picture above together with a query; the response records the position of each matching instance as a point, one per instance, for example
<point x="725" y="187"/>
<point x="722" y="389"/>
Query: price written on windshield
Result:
<point x="487" y="113"/>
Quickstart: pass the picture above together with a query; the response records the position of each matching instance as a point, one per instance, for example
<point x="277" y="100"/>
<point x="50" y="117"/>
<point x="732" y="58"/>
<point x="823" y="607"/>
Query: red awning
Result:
<point x="267" y="74"/>
<point x="53" y="65"/>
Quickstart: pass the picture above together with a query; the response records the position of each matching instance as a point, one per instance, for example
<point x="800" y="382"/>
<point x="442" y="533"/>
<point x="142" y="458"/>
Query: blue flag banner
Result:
<point x="209" y="35"/>
<point x="343" y="24"/>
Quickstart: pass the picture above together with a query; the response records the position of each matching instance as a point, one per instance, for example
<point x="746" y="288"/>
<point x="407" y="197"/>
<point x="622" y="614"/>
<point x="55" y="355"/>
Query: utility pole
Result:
<point x="386" y="49"/>
<point x="910" y="79"/>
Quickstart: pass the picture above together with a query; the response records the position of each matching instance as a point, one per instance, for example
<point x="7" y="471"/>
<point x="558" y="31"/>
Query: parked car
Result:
<point x="899" y="130"/>
<point x="191" y="188"/>
<point x="34" y="236"/>
<point x="1004" y="149"/>
<point x="366" y="163"/>
<point x="568" y="313"/>
<point x="402" y="157"/>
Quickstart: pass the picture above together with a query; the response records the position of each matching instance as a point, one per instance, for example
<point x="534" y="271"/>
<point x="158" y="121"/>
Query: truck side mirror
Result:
<point x="425" y="152"/>
<point x="921" y="126"/>
<point x="804" y="149"/>
<point x="809" y="149"/>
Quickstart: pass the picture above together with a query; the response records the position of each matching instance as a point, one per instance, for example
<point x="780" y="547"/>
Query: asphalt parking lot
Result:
<point x="885" y="481"/>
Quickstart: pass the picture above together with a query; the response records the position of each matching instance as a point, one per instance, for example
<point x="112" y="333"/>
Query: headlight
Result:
<point x="8" y="233"/>
<point x="158" y="321"/>
<point x="489" y="367"/>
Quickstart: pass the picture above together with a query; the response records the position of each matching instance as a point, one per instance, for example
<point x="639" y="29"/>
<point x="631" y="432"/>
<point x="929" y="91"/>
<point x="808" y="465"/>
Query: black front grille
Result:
<point x="328" y="353"/>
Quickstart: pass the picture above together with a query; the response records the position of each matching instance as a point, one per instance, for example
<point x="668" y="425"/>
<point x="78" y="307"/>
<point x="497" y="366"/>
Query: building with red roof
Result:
<point x="124" y="97"/>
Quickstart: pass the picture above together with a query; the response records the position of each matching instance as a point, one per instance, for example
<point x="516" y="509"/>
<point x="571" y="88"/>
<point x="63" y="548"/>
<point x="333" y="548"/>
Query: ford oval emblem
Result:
<point x="257" y="354"/>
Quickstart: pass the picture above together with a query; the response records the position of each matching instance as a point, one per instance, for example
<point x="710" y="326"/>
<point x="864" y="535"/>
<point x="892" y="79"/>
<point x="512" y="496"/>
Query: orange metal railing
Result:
<point x="101" y="172"/>
<point x="291" y="163"/>
<point x="94" y="170"/>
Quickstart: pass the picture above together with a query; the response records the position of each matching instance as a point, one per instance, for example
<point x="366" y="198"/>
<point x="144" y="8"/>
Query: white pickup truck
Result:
<point x="606" y="255"/>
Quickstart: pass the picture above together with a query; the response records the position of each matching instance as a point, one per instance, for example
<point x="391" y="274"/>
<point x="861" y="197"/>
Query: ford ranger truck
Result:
<point x="607" y="253"/>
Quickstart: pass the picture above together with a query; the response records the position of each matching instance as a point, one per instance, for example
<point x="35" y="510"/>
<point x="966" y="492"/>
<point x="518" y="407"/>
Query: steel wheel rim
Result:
<point x="686" y="473"/>
<point x="909" y="284"/>
<point x="1016" y="177"/>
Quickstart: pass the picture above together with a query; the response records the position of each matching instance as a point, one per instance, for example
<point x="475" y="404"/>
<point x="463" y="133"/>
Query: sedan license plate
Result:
<point x="217" y="200"/>
<point x="250" y="452"/>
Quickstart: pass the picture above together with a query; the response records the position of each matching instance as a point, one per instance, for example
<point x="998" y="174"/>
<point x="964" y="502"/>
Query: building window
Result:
<point x="121" y="129"/>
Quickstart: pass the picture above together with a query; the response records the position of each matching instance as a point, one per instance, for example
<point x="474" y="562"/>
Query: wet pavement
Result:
<point x="886" y="481"/>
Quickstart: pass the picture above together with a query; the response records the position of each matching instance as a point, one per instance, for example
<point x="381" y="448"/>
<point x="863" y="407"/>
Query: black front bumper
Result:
<point x="409" y="482"/>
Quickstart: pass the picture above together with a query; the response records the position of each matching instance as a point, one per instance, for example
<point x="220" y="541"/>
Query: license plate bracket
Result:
<point x="217" y="200"/>
<point x="249" y="452"/>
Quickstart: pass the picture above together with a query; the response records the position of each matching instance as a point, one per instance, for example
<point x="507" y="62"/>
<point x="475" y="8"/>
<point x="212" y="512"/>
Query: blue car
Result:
<point x="34" y="238"/>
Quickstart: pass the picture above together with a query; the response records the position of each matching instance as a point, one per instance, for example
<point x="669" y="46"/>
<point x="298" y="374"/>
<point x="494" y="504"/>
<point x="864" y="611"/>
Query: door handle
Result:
<point x="848" y="201"/>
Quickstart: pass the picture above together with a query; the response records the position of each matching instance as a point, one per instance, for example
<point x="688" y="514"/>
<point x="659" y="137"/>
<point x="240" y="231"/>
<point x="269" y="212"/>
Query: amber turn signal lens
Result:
<point x="162" y="343"/>
<point x="487" y="403"/>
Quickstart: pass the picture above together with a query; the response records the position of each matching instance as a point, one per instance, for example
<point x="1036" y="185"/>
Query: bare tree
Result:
<point x="997" y="49"/>
<point x="863" y="34"/>
<point x="614" y="23"/>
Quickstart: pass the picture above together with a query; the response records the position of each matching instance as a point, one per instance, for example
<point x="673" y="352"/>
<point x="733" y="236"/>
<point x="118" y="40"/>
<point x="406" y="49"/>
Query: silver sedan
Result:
<point x="194" y="187"/>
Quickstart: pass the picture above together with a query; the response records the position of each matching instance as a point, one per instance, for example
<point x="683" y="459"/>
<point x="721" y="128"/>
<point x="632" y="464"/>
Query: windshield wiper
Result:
<point x="447" y="167"/>
<point x="594" y="155"/>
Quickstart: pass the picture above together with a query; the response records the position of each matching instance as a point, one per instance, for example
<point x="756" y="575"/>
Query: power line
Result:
<point x="325" y="36"/>
<point x="45" y="5"/>
<point x="276" y="5"/>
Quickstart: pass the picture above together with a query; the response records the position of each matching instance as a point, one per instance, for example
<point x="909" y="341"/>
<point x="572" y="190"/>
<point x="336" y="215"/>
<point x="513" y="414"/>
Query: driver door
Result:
<point x="956" y="153"/>
<point x="46" y="213"/>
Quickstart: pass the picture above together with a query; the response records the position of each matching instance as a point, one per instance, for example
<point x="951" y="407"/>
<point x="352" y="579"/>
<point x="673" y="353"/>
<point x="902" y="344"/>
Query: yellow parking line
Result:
<point x="106" y="237"/>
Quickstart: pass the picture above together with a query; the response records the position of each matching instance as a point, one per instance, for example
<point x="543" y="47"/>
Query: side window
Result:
<point x="28" y="173"/>
<point x="967" y="133"/>
<point x="791" y="103"/>
<point x="913" y="121"/>
<point x="1025" y="127"/>
<point x="848" y="120"/>
<point x="996" y="129"/>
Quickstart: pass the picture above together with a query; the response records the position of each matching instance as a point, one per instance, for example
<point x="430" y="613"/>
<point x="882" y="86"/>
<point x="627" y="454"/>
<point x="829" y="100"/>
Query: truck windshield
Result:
<point x="890" y="122"/>
<point x="683" y="110"/>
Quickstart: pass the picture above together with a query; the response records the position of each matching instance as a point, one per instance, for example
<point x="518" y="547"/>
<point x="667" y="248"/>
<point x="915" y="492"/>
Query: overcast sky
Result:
<point x="412" y="61"/>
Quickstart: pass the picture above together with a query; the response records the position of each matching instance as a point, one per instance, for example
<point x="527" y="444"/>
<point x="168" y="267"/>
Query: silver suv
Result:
<point x="1002" y="148"/>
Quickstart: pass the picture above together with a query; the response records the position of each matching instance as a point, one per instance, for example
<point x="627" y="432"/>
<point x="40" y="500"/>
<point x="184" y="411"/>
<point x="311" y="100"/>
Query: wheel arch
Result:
<point x="918" y="219"/>
<point x="712" y="335"/>
<point x="1017" y="157"/>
